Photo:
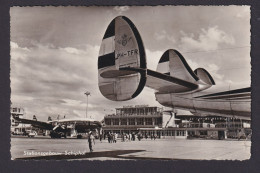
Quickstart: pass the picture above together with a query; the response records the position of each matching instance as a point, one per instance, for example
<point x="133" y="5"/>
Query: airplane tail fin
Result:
<point x="173" y="63"/>
<point x="174" y="75"/>
<point x="121" y="61"/>
<point x="204" y="76"/>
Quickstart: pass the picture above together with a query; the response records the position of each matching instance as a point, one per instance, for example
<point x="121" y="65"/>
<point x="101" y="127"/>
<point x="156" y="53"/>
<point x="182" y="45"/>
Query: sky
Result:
<point x="54" y="52"/>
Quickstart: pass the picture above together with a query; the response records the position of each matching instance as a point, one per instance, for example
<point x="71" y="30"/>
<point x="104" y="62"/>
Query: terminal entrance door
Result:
<point x="221" y="135"/>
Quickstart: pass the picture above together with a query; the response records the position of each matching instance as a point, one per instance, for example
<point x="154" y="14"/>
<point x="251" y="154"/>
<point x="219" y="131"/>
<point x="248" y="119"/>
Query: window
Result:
<point x="203" y="132"/>
<point x="108" y="121"/>
<point x="115" y="121"/>
<point x="123" y="121"/>
<point x="140" y="121"/>
<point x="158" y="121"/>
<point x="148" y="121"/>
<point x="131" y="121"/>
<point x="180" y="133"/>
<point x="118" y="111"/>
<point x="141" y="111"/>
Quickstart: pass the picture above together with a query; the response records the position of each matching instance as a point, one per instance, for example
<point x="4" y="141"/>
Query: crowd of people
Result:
<point x="131" y="137"/>
<point x="113" y="137"/>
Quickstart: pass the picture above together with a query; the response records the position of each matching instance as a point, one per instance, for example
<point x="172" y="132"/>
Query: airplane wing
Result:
<point x="39" y="124"/>
<point x="86" y="122"/>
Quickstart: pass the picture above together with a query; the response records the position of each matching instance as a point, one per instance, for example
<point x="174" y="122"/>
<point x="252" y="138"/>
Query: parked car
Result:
<point x="32" y="134"/>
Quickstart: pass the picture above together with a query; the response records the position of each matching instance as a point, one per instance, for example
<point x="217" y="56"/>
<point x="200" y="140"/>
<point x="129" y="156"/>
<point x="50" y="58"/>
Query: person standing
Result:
<point x="127" y="137"/>
<point x="133" y="136"/>
<point x="139" y="136"/>
<point x="130" y="137"/>
<point x="123" y="137"/>
<point x="146" y="136"/>
<point x="155" y="136"/>
<point x="100" y="137"/>
<point x="116" y="137"/>
<point x="91" y="141"/>
<point x="113" y="137"/>
<point x="109" y="137"/>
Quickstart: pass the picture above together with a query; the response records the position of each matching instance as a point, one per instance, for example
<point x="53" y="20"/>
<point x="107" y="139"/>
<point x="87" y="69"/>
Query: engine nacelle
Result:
<point x="121" y="61"/>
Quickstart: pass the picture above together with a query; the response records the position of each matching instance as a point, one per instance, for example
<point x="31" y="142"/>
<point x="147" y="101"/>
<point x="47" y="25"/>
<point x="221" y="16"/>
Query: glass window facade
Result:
<point x="108" y="121"/>
<point x="157" y="121"/>
<point x="115" y="121"/>
<point x="148" y="121"/>
<point x="140" y="121"/>
<point x="123" y="121"/>
<point x="131" y="121"/>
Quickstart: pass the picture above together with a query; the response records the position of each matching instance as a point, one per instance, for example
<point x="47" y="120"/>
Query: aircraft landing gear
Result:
<point x="55" y="135"/>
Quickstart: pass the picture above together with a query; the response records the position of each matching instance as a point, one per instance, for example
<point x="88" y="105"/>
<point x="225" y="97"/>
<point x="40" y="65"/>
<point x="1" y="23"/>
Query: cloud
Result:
<point x="54" y="77"/>
<point x="153" y="58"/>
<point x="208" y="39"/>
<point x="243" y="14"/>
<point x="164" y="36"/>
<point x="210" y="67"/>
<point x="71" y="102"/>
<point x="72" y="50"/>
<point x="18" y="52"/>
<point x="16" y="46"/>
<point x="121" y="9"/>
<point x="213" y="67"/>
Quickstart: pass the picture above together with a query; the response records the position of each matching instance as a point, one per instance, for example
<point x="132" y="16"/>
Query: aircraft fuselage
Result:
<point x="231" y="103"/>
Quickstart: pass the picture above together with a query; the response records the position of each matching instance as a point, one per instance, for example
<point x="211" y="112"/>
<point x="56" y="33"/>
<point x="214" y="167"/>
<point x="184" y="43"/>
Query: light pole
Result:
<point x="87" y="94"/>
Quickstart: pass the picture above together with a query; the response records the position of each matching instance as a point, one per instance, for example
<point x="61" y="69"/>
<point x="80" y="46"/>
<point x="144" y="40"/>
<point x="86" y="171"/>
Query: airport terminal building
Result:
<point x="130" y="118"/>
<point x="166" y="124"/>
<point x="152" y="120"/>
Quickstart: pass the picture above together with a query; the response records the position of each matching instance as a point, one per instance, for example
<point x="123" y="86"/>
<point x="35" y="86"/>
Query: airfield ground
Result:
<point x="159" y="149"/>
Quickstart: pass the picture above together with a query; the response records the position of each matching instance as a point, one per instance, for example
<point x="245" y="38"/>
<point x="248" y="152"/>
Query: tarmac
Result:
<point x="160" y="149"/>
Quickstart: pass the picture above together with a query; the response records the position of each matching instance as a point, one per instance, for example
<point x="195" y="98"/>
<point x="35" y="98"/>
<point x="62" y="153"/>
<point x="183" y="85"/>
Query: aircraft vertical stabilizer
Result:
<point x="121" y="51"/>
<point x="173" y="63"/>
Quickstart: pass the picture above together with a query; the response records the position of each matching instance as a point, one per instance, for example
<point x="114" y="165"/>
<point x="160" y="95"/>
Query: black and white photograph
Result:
<point x="130" y="83"/>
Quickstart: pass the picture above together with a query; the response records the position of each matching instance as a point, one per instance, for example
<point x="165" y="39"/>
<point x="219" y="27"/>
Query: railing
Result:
<point x="136" y="126"/>
<point x="196" y="125"/>
<point x="134" y="115"/>
<point x="209" y="125"/>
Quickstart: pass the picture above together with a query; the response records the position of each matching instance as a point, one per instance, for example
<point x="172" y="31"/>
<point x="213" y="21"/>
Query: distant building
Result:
<point x="16" y="127"/>
<point x="213" y="126"/>
<point x="16" y="112"/>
